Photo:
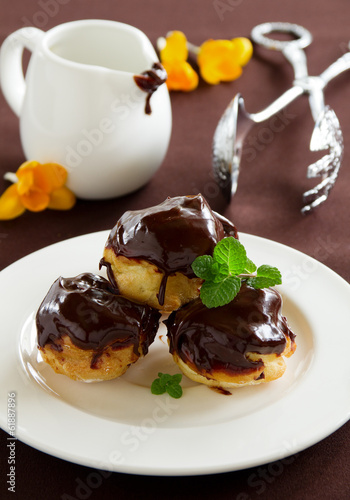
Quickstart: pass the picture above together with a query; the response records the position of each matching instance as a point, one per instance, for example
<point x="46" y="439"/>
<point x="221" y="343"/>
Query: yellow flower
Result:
<point x="173" y="56"/>
<point x="37" y="187"/>
<point x="175" y="47"/>
<point x="218" y="60"/>
<point x="222" y="60"/>
<point x="181" y="76"/>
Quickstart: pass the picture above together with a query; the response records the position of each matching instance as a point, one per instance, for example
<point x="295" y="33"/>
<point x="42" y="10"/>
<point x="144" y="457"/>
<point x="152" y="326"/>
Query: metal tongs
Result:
<point x="235" y="123"/>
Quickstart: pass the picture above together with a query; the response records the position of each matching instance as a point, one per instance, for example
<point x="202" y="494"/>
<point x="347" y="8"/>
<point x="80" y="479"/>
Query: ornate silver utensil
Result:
<point x="236" y="122"/>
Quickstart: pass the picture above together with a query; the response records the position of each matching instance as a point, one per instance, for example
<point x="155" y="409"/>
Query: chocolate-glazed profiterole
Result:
<point x="88" y="332"/>
<point x="149" y="252"/>
<point x="241" y="343"/>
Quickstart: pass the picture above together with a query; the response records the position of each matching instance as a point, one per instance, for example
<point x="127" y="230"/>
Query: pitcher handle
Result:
<point x="12" y="80"/>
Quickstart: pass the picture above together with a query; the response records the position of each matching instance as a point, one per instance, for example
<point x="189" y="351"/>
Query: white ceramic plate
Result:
<point x="119" y="425"/>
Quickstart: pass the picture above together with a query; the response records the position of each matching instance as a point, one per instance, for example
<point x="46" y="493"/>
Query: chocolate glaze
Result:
<point x="88" y="309"/>
<point x="222" y="391"/>
<point x="110" y="274"/>
<point x="219" y="338"/>
<point x="170" y="235"/>
<point x="149" y="81"/>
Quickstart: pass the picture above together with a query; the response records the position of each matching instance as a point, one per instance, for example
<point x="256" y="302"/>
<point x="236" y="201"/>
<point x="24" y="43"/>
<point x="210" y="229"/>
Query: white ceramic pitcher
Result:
<point x="79" y="104"/>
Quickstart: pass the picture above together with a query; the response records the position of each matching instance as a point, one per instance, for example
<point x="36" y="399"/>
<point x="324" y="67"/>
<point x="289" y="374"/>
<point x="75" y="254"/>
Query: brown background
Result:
<point x="267" y="204"/>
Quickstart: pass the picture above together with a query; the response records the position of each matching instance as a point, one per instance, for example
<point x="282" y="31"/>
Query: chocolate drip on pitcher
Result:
<point x="149" y="81"/>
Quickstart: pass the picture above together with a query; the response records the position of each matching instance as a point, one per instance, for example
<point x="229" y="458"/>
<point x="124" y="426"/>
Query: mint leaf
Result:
<point x="203" y="267"/>
<point x="174" y="390"/>
<point x="265" y="276"/>
<point x="167" y="383"/>
<point x="222" y="274"/>
<point x="156" y="387"/>
<point x="175" y="379"/>
<point x="270" y="272"/>
<point x="221" y="293"/>
<point x="206" y="268"/>
<point x="260" y="282"/>
<point x="231" y="253"/>
<point x="164" y="379"/>
<point x="250" y="267"/>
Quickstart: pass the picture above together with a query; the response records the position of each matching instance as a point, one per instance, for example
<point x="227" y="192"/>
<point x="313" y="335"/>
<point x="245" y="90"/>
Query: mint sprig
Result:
<point x="167" y="383"/>
<point x="224" y="272"/>
<point x="265" y="276"/>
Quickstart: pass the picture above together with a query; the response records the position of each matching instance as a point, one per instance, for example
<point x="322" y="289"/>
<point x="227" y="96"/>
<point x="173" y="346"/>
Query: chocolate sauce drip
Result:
<point x="219" y="338"/>
<point x="149" y="81"/>
<point x="222" y="391"/>
<point x="89" y="310"/>
<point x="170" y="235"/>
<point x="162" y="288"/>
<point x="110" y="274"/>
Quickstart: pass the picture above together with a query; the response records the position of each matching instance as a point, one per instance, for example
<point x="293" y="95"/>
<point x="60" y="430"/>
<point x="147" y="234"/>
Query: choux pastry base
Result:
<point x="140" y="280"/>
<point x="87" y="365"/>
<point x="274" y="367"/>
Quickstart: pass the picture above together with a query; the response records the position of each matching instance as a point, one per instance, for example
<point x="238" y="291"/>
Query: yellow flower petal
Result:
<point x="10" y="204"/>
<point x="62" y="199"/>
<point x="25" y="181"/>
<point x="216" y="73"/>
<point x="26" y="166"/>
<point x="221" y="60"/>
<point x="39" y="186"/>
<point x="214" y="51"/>
<point x="175" y="48"/>
<point x="26" y="170"/>
<point x="46" y="176"/>
<point x="181" y="76"/>
<point x="244" y="48"/>
<point x="35" y="200"/>
<point x="50" y="176"/>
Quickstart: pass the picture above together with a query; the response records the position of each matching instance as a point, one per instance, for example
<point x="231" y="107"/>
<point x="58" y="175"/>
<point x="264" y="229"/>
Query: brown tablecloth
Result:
<point x="267" y="204"/>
